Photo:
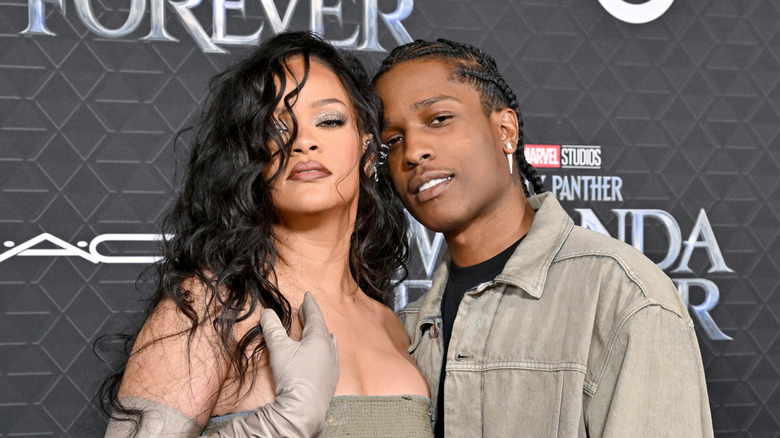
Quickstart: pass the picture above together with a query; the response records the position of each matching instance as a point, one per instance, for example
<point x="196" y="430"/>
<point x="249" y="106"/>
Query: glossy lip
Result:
<point x="419" y="180"/>
<point x="308" y="171"/>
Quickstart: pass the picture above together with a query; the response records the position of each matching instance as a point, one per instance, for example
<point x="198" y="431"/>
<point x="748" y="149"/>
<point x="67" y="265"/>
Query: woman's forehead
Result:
<point x="322" y="84"/>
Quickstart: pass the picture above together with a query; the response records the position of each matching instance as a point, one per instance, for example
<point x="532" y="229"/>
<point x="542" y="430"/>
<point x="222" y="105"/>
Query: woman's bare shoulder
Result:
<point x="392" y="325"/>
<point x="176" y="360"/>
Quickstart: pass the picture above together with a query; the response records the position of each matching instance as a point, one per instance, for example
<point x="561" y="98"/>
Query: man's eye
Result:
<point x="393" y="141"/>
<point x="440" y="119"/>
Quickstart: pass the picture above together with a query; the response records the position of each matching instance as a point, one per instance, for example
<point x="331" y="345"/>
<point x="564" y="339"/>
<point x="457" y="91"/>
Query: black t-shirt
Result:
<point x="460" y="281"/>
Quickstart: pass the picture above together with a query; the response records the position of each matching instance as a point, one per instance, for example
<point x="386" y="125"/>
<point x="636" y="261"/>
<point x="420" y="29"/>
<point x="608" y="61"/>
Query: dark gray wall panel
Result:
<point x="685" y="109"/>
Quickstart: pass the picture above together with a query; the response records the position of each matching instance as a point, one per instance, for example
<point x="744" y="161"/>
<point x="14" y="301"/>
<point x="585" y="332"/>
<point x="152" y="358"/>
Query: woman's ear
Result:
<point x="366" y="139"/>
<point x="369" y="168"/>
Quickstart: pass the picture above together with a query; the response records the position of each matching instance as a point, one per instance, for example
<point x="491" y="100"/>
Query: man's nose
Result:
<point x="418" y="149"/>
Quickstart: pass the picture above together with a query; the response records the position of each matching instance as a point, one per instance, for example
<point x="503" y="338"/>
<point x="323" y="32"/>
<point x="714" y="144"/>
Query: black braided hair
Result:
<point x="473" y="66"/>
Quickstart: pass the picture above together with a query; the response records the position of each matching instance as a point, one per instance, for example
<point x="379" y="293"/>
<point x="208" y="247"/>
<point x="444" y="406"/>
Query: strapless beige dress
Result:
<point x="364" y="416"/>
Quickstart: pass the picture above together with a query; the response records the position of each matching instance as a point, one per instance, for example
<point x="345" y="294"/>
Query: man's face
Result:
<point x="446" y="156"/>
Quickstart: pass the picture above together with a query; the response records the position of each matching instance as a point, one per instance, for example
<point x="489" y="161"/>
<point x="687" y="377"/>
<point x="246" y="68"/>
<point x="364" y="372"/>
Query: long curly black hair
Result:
<point x="219" y="232"/>
<point x="470" y="65"/>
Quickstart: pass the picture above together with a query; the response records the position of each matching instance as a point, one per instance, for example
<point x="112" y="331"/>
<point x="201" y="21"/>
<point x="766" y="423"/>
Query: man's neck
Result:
<point x="490" y="233"/>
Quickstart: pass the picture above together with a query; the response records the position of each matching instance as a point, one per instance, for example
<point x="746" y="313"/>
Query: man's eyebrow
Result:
<point x="323" y="102"/>
<point x="424" y="103"/>
<point x="431" y="100"/>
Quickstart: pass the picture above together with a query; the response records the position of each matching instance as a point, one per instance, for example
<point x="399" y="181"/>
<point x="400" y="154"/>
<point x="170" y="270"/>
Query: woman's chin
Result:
<point x="314" y="212"/>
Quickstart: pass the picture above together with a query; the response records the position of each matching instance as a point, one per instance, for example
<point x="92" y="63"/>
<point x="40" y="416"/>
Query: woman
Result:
<point x="283" y="195"/>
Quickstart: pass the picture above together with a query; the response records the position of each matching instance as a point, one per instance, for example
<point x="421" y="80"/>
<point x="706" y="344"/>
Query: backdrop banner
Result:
<point x="656" y="122"/>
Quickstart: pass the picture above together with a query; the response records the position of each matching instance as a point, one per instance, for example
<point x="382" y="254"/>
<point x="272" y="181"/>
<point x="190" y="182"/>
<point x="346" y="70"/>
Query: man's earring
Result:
<point x="509" y="156"/>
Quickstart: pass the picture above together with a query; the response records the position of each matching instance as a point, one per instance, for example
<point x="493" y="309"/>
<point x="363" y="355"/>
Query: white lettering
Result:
<point x="702" y="228"/>
<point x="580" y="157"/>
<point x="184" y="13"/>
<point x="158" y="32"/>
<point x="277" y="24"/>
<point x="93" y="255"/>
<point x="587" y="187"/>
<point x="542" y="156"/>
<point x="673" y="233"/>
<point x="219" y="31"/>
<point x="191" y="25"/>
<point x="319" y="10"/>
<point x="701" y="311"/>
<point x="87" y="16"/>
<point x="37" y="16"/>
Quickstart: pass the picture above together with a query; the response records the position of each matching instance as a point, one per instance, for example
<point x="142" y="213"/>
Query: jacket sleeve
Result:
<point x="652" y="381"/>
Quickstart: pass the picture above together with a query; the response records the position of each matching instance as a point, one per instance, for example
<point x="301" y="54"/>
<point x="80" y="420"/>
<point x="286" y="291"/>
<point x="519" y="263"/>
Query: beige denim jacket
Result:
<point x="580" y="335"/>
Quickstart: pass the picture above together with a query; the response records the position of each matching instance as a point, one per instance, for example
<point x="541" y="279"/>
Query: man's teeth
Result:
<point x="432" y="183"/>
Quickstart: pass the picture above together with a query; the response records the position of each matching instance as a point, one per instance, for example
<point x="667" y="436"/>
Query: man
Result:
<point x="533" y="326"/>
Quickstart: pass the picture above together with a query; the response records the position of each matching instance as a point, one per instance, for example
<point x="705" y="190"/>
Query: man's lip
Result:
<point x="435" y="190"/>
<point x="308" y="170"/>
<point x="419" y="180"/>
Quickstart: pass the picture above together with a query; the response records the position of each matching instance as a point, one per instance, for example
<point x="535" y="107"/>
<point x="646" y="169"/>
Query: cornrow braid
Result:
<point x="473" y="66"/>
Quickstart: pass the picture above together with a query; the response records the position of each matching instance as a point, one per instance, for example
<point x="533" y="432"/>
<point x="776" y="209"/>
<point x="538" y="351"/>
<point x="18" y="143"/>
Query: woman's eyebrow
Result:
<point x="323" y="102"/>
<point x="316" y="104"/>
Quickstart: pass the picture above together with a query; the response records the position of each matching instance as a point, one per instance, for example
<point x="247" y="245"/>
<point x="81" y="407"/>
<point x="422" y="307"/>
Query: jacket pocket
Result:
<point x="539" y="400"/>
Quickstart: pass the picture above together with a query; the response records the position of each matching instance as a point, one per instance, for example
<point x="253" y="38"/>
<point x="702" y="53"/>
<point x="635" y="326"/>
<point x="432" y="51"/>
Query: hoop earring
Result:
<point x="509" y="156"/>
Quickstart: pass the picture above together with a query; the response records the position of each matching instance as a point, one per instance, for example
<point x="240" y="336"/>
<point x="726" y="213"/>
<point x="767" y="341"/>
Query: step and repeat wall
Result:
<point x="655" y="122"/>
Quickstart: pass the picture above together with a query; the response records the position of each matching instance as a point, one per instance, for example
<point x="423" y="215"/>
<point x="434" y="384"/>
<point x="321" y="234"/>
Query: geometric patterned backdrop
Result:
<point x="686" y="110"/>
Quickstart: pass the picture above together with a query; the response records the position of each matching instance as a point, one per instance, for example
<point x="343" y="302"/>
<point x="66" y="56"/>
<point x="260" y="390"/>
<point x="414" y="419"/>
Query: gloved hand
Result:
<point x="305" y="374"/>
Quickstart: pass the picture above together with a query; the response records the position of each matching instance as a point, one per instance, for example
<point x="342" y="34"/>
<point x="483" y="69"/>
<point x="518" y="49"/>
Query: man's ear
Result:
<point x="505" y="123"/>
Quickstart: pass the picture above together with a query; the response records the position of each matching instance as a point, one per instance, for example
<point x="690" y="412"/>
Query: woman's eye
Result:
<point x="330" y="119"/>
<point x="281" y="127"/>
<point x="332" y="123"/>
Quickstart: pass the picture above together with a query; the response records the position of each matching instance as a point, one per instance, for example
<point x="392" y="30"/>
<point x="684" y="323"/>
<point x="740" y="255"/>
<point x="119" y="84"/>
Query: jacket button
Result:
<point x="434" y="331"/>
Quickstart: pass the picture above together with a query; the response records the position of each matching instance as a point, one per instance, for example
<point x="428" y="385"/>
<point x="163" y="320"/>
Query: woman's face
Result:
<point x="322" y="171"/>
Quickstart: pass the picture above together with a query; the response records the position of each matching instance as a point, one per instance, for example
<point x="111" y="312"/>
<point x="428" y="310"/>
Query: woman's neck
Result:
<point x="314" y="259"/>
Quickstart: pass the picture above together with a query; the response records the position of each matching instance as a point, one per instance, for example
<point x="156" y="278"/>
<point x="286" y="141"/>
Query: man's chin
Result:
<point x="439" y="222"/>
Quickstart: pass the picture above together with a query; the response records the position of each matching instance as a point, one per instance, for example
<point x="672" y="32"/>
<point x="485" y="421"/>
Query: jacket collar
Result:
<point x="527" y="267"/>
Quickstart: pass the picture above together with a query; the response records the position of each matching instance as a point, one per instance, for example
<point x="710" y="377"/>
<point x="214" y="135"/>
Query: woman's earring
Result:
<point x="509" y="157"/>
<point x="380" y="159"/>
